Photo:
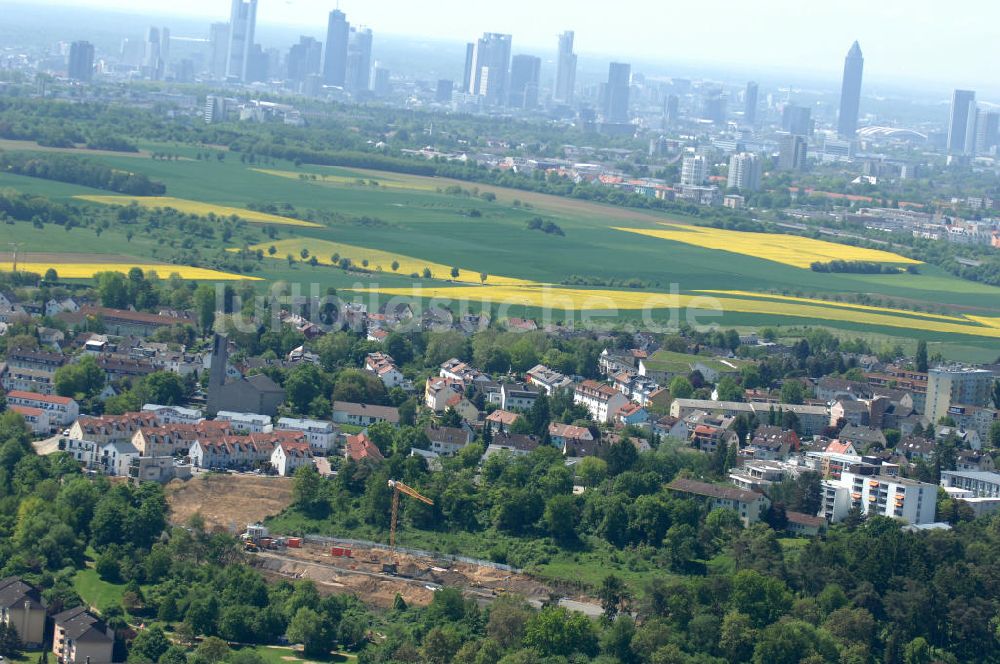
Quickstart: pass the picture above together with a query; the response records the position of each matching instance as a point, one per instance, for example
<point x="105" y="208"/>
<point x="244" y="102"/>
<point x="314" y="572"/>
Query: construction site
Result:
<point x="375" y="573"/>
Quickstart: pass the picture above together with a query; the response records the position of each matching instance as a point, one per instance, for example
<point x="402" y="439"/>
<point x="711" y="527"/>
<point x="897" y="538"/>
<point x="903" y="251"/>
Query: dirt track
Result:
<point x="228" y="502"/>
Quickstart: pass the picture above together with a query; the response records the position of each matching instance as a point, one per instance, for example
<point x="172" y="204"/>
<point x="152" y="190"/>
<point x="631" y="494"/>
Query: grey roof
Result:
<point x="367" y="410"/>
<point x="80" y="625"/>
<point x="14" y="593"/>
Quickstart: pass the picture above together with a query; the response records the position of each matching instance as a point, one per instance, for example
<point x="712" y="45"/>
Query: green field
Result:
<point x="95" y="591"/>
<point x="413" y="216"/>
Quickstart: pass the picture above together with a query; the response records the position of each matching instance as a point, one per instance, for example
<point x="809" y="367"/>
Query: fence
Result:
<point x="341" y="541"/>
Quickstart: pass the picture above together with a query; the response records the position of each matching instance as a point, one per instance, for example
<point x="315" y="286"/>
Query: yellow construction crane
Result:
<point x="398" y="488"/>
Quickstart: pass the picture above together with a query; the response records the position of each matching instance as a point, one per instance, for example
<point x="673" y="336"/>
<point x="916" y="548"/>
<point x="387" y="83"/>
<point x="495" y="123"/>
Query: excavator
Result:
<point x="398" y="488"/>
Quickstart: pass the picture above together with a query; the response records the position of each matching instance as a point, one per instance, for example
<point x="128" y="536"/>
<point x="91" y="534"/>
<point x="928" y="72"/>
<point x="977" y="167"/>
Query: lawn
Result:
<point x="95" y="591"/>
<point x="287" y="655"/>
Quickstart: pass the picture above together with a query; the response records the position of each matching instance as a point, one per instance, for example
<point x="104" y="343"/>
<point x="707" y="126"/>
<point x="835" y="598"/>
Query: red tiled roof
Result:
<point x="47" y="398"/>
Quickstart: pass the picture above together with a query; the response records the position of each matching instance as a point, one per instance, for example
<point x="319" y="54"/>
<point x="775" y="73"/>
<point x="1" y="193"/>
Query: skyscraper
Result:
<point x="792" y="153"/>
<point x="694" y="171"/>
<point x="673" y="106"/>
<point x="714" y="107"/>
<point x="444" y="89"/>
<point x="242" y="22"/>
<point x="750" y="104"/>
<point x="359" y="60"/>
<point x="987" y="131"/>
<point x="218" y="40"/>
<point x="470" y="61"/>
<point x="304" y="59"/>
<point x="489" y="68"/>
<point x="796" y="120"/>
<point x="850" y="93"/>
<point x="963" y="114"/>
<point x="525" y="71"/>
<point x="616" y="102"/>
<point x="744" y="172"/>
<point x="81" y="61"/>
<point x="565" y="69"/>
<point x="338" y="32"/>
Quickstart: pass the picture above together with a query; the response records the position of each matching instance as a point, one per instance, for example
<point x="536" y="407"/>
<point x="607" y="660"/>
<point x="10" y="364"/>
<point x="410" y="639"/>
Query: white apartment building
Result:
<point x="62" y="411"/>
<point x="879" y="495"/>
<point x="948" y="386"/>
<point x="601" y="400"/>
<point x="320" y="433"/>
<point x="251" y="422"/>
<point x="745" y="170"/>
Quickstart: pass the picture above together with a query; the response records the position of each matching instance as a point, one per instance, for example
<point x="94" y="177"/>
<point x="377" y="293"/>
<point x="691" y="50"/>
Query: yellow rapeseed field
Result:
<point x="571" y="299"/>
<point x="378" y="260"/>
<point x="197" y="207"/>
<point x="786" y="249"/>
<point x="844" y="305"/>
<point x="88" y="270"/>
<point x="383" y="182"/>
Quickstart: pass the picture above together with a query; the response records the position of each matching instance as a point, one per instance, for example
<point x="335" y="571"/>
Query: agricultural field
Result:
<point x="785" y="249"/>
<point x="376" y="260"/>
<point x="612" y="261"/>
<point x="84" y="266"/>
<point x="196" y="207"/>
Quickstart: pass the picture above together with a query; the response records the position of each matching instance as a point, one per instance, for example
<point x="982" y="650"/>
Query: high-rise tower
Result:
<point x="338" y="32"/>
<point x="565" y="69"/>
<point x="850" y="93"/>
<point x="242" y="22"/>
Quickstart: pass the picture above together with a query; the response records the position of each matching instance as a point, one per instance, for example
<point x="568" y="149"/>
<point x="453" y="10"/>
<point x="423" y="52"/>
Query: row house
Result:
<point x="547" y="380"/>
<point x="288" y="457"/>
<point x="38" y="360"/>
<point x="601" y="400"/>
<point x="62" y="411"/>
<point x="108" y="428"/>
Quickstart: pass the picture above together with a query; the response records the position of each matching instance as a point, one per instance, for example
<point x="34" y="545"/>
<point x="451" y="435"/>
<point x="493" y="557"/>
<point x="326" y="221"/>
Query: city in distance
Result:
<point x="385" y="332"/>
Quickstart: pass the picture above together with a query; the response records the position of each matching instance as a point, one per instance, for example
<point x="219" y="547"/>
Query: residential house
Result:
<point x="521" y="325"/>
<point x="84" y="451"/>
<point x="973" y="461"/>
<point x="500" y="421"/>
<point x="967" y="438"/>
<point x="518" y="396"/>
<point x="299" y="355"/>
<point x="804" y="525"/>
<point x="863" y="438"/>
<point x="460" y="371"/>
<point x="841" y="447"/>
<point x="161" y="469"/>
<point x="10" y="309"/>
<point x="835" y="389"/>
<point x="547" y="380"/>
<point x="850" y="411"/>
<point x="377" y="334"/>
<point x="614" y="361"/>
<point x="512" y="443"/>
<point x="360" y="448"/>
<point x="174" y="414"/>
<point x="115" y="458"/>
<point x="749" y="505"/>
<point x="447" y="440"/>
<point x="28" y="370"/>
<point x="439" y="391"/>
<point x="124" y="323"/>
<point x="54" y="306"/>
<point x="320" y="433"/>
<point x="772" y="443"/>
<point x="711" y="432"/>
<point x="288" y="457"/>
<point x="36" y="419"/>
<point x="916" y="447"/>
<point x="22" y="607"/>
<point x="669" y="426"/>
<point x="601" y="400"/>
<point x="363" y="415"/>
<point x="79" y="637"/>
<point x="632" y="414"/>
<point x="62" y="411"/>
<point x="974" y="418"/>
<point x="383" y="366"/>
<point x="563" y="435"/>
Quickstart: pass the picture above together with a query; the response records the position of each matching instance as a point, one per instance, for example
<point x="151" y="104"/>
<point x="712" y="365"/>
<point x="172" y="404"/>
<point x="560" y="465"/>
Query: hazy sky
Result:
<point x="943" y="44"/>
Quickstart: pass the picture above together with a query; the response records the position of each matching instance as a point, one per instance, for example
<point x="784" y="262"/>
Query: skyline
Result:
<point x="895" y="44"/>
